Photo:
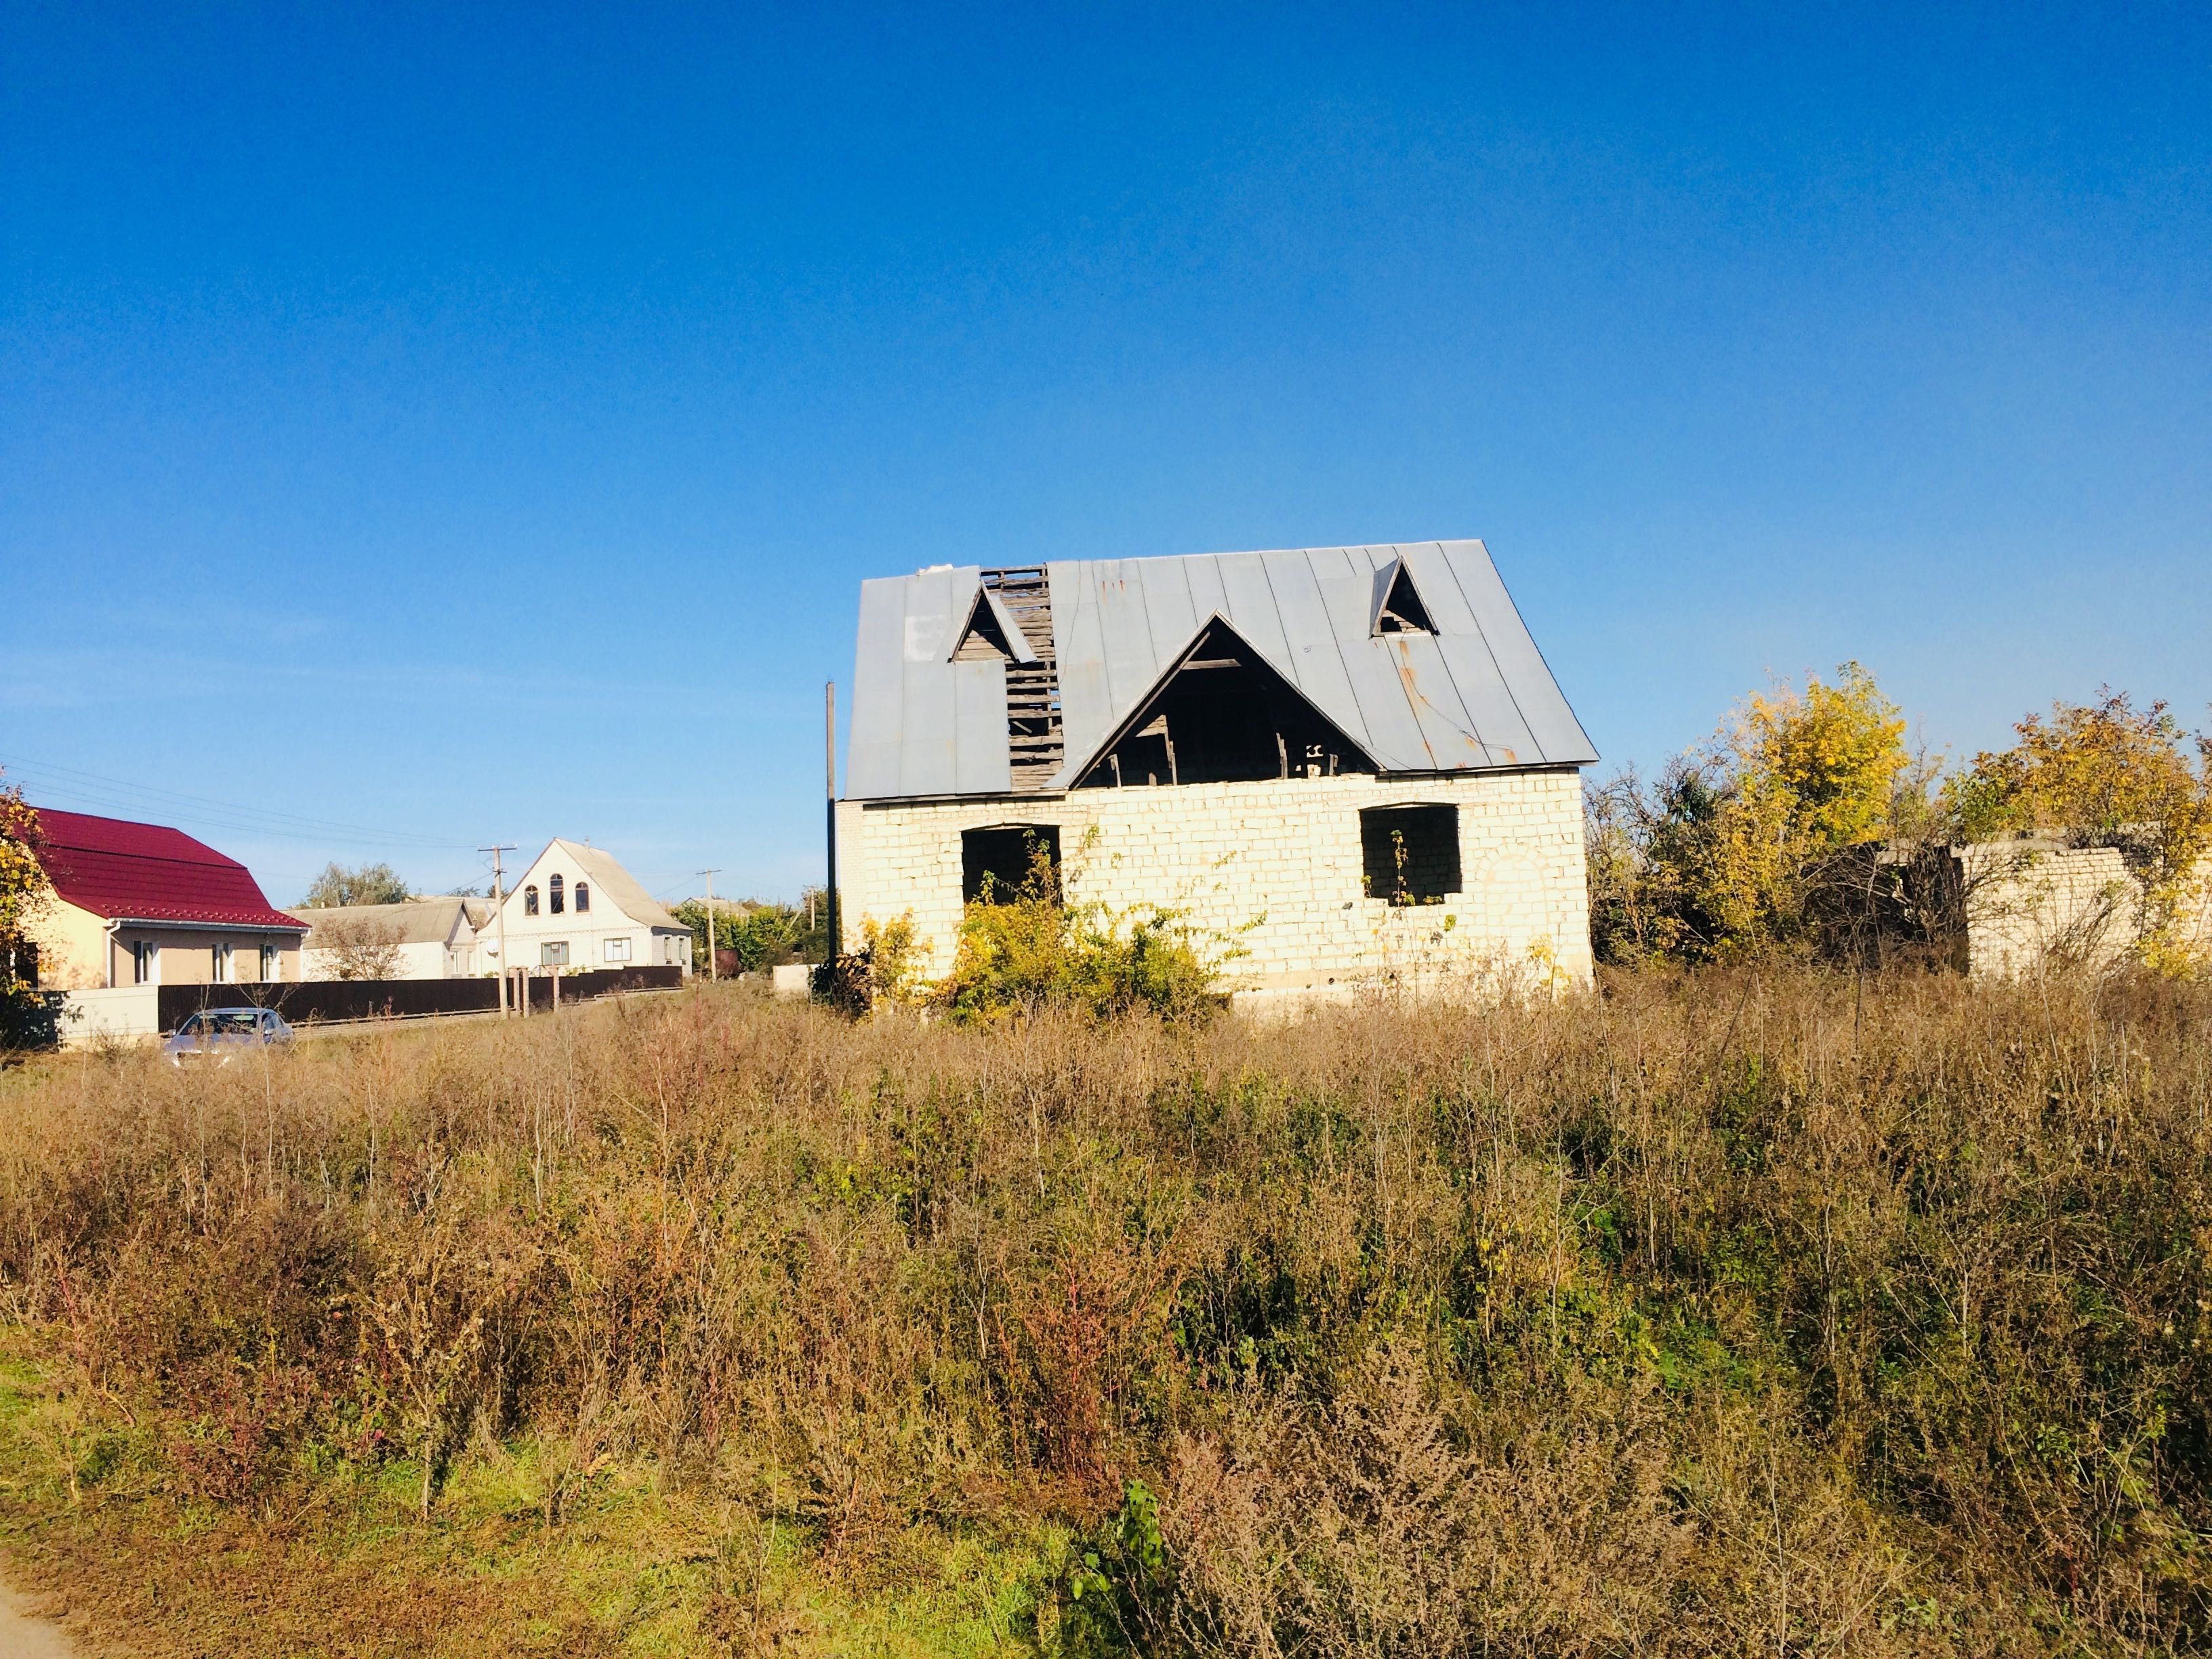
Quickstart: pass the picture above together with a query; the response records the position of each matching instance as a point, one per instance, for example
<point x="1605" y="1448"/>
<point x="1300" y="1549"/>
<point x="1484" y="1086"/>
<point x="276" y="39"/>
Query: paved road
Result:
<point x="23" y="1636"/>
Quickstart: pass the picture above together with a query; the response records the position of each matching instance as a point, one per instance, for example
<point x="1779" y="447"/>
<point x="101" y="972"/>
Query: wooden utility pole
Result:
<point x="830" y="773"/>
<point x="499" y="910"/>
<point x="712" y="974"/>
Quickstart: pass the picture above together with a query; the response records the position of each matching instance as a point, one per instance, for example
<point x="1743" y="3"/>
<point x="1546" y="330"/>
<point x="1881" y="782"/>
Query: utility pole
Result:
<point x="712" y="974"/>
<point x="830" y="773"/>
<point x="499" y="910"/>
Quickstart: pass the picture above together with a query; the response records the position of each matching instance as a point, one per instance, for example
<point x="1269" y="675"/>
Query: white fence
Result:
<point x="122" y="1012"/>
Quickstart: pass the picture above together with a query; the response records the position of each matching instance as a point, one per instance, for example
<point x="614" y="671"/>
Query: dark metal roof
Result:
<point x="1475" y="695"/>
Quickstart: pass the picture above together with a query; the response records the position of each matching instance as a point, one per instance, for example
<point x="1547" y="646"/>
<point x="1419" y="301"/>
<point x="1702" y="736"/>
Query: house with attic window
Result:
<point x="1352" y="762"/>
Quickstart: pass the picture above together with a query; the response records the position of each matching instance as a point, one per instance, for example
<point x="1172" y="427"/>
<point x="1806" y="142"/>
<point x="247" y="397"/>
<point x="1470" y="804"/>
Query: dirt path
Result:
<point x="24" y="1635"/>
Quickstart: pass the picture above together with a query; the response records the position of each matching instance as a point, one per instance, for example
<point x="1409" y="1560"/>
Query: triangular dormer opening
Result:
<point x="991" y="634"/>
<point x="1224" y="715"/>
<point x="1399" y="610"/>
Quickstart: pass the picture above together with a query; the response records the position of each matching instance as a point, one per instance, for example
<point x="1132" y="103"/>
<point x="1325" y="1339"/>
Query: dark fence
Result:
<point x="330" y="1001"/>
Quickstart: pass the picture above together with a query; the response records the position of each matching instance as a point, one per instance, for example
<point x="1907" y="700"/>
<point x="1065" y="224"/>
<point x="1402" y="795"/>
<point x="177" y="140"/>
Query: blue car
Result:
<point x="218" y="1035"/>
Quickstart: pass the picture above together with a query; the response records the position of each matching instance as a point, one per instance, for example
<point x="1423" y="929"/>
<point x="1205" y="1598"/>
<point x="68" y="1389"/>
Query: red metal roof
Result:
<point x="147" y="872"/>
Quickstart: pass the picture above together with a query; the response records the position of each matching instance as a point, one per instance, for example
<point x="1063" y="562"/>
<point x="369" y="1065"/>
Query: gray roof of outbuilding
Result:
<point x="1475" y="695"/>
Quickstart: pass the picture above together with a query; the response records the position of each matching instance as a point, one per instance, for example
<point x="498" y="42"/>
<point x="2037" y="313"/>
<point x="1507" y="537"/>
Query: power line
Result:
<point x="72" y="782"/>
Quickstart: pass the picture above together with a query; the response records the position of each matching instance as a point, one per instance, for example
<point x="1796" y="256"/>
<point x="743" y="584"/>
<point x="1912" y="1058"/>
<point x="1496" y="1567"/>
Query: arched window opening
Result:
<point x="1410" y="854"/>
<point x="553" y="889"/>
<point x="583" y="896"/>
<point x="999" y="865"/>
<point x="530" y="900"/>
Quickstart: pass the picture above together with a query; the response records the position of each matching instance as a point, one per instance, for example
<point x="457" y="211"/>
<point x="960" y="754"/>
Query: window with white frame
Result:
<point x="145" y="962"/>
<point x="226" y="962"/>
<point x="553" y="953"/>
<point x="271" y="964"/>
<point x="615" y="949"/>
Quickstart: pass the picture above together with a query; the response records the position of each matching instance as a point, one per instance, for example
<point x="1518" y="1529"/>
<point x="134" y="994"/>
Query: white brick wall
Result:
<point x="1274" y="867"/>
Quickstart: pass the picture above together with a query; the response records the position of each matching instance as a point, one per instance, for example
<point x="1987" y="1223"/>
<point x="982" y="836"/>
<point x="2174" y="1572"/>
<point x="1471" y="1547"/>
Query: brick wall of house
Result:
<point x="1273" y="868"/>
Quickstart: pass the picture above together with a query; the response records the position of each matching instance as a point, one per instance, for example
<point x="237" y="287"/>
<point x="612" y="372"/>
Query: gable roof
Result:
<point x="1473" y="694"/>
<point x="121" y="870"/>
<point x="419" y="922"/>
<point x="609" y="881"/>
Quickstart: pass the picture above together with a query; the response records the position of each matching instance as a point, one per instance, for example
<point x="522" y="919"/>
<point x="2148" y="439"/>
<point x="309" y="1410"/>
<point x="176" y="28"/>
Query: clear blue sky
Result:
<point x="456" y="423"/>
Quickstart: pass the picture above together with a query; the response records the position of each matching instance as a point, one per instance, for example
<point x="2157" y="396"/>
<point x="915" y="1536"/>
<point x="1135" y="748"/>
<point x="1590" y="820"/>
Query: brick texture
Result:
<point x="1271" y="870"/>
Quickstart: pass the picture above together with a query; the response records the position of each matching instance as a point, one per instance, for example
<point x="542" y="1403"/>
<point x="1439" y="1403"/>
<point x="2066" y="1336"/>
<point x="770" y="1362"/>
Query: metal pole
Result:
<point x="829" y="773"/>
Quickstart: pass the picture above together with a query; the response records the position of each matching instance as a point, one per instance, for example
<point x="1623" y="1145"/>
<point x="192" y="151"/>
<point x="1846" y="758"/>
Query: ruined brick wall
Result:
<point x="1275" y="867"/>
<point x="2032" y="905"/>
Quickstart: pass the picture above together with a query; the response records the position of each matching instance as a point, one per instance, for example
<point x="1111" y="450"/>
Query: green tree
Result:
<point x="754" y="933"/>
<point x="366" y="884"/>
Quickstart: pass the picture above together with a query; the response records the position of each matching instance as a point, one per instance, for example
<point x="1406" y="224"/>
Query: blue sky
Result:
<point x="457" y="424"/>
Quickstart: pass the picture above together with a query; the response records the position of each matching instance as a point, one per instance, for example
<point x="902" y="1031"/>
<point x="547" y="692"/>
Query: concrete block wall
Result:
<point x="1273" y="869"/>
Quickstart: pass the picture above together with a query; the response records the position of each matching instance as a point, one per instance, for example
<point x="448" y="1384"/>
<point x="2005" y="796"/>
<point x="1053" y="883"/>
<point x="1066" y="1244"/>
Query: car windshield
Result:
<point x="233" y="1021"/>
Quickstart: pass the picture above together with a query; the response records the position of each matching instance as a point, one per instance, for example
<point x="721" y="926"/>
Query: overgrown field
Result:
<point x="1754" y="1312"/>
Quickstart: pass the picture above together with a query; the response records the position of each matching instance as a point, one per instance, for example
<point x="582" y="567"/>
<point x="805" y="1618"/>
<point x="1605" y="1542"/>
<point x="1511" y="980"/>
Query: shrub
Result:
<point x="1029" y="948"/>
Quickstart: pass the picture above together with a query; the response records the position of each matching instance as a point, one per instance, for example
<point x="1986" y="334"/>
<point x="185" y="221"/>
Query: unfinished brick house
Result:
<point x="1350" y="761"/>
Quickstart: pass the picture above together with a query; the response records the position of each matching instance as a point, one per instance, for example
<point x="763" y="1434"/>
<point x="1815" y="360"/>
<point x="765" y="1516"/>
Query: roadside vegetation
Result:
<point x="1796" y="828"/>
<point x="751" y="934"/>
<point x="1756" y="1310"/>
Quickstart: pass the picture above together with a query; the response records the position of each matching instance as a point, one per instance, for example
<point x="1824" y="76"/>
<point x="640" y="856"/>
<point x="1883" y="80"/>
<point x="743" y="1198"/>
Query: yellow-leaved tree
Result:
<point x="24" y="1016"/>
<point x="1759" y="838"/>
<point x="2106" y="773"/>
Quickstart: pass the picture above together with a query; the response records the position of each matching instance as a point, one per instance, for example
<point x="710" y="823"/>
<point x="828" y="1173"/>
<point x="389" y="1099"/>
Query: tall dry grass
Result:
<point x="1745" y="1313"/>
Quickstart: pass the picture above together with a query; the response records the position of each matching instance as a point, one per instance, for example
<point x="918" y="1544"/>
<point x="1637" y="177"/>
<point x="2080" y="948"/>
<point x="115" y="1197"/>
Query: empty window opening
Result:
<point x="1402" y="610"/>
<point x="553" y="894"/>
<point x="530" y="900"/>
<point x="1226" y="716"/>
<point x="1005" y="862"/>
<point x="583" y="897"/>
<point x="23" y="963"/>
<point x="1410" y="854"/>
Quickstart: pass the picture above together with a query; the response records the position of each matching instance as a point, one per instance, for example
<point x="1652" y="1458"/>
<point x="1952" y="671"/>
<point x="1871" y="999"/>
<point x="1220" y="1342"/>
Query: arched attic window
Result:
<point x="530" y="900"/>
<point x="583" y="897"/>
<point x="553" y="888"/>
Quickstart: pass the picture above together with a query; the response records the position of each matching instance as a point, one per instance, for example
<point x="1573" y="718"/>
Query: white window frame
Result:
<point x="553" y="953"/>
<point x="272" y="963"/>
<point x="145" y="962"/>
<point x="616" y="949"/>
<point x="225" y="966"/>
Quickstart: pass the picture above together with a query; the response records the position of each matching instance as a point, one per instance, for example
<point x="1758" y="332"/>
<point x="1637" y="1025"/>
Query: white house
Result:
<point x="576" y="907"/>
<point x="1352" y="762"/>
<point x="427" y="938"/>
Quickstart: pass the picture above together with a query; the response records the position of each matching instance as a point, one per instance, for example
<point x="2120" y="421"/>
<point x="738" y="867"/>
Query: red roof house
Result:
<point x="142" y="902"/>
